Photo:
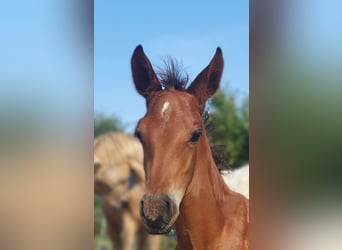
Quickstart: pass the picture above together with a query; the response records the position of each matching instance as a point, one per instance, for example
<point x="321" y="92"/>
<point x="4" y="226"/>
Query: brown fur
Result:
<point x="182" y="179"/>
<point x="118" y="156"/>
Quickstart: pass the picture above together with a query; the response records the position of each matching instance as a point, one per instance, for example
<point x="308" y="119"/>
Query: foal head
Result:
<point x="171" y="133"/>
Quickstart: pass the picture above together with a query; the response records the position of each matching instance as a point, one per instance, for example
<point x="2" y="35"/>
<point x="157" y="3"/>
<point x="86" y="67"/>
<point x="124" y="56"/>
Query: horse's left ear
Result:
<point x="208" y="81"/>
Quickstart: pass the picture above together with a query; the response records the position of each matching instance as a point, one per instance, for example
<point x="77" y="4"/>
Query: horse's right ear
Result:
<point x="144" y="77"/>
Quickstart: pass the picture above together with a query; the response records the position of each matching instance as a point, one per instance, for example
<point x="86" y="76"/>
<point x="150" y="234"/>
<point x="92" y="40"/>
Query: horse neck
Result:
<point x="204" y="196"/>
<point x="206" y="181"/>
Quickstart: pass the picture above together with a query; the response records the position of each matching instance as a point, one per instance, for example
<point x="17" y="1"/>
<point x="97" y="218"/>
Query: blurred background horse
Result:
<point x="238" y="180"/>
<point x="119" y="181"/>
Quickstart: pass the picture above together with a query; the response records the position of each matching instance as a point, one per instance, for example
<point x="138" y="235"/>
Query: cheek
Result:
<point x="182" y="177"/>
<point x="187" y="163"/>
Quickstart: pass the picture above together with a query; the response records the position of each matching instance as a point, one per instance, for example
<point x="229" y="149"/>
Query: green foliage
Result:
<point x="168" y="243"/>
<point x="97" y="215"/>
<point x="231" y="127"/>
<point x="104" y="123"/>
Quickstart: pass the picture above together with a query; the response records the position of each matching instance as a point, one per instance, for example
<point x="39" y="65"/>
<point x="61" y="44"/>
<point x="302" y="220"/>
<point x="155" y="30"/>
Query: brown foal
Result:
<point x="183" y="184"/>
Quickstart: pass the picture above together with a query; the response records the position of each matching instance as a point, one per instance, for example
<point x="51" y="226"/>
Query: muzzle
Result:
<point x="158" y="213"/>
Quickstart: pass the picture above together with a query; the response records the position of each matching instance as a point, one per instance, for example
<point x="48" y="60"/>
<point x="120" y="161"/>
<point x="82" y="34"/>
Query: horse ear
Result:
<point x="208" y="81"/>
<point x="144" y="78"/>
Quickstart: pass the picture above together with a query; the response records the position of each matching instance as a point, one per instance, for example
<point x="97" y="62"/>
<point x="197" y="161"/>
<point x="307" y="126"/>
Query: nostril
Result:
<point x="168" y="205"/>
<point x="124" y="204"/>
<point x="142" y="208"/>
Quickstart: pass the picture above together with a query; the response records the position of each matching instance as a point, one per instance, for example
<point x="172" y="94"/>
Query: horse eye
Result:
<point x="137" y="134"/>
<point x="195" y="136"/>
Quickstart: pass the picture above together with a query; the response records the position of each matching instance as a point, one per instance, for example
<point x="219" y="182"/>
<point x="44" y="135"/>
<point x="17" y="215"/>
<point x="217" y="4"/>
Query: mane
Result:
<point x="173" y="75"/>
<point x="218" y="151"/>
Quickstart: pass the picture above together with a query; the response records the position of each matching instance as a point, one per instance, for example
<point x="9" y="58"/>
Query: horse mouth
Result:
<point x="158" y="213"/>
<point x="152" y="229"/>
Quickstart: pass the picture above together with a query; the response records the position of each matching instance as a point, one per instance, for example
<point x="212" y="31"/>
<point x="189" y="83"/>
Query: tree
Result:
<point x="231" y="127"/>
<point x="105" y="123"/>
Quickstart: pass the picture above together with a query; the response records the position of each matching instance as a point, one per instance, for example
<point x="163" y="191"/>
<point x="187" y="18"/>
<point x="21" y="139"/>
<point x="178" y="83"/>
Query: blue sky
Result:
<point x="187" y="30"/>
<point x="45" y="63"/>
<point x="313" y="30"/>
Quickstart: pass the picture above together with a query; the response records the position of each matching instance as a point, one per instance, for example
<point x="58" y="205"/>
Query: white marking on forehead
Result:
<point x="164" y="108"/>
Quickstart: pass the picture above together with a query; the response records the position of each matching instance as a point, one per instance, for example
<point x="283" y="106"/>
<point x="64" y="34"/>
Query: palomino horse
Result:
<point x="183" y="184"/>
<point x="119" y="181"/>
